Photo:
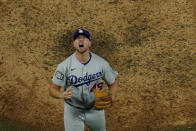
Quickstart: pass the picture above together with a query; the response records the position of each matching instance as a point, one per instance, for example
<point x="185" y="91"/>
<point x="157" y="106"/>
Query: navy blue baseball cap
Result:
<point x="81" y="32"/>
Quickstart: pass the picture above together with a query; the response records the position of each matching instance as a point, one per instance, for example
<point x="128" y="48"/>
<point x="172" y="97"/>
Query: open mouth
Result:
<point x="81" y="46"/>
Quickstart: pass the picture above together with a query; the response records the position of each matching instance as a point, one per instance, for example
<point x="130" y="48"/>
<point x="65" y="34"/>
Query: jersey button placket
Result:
<point x="84" y="69"/>
<point x="83" y="86"/>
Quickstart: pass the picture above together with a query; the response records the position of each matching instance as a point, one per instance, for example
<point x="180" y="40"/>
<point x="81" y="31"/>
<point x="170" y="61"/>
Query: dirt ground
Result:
<point x="150" y="43"/>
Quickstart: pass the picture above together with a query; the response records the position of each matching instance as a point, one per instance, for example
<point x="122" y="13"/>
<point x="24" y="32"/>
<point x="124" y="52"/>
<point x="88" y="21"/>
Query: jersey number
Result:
<point x="98" y="86"/>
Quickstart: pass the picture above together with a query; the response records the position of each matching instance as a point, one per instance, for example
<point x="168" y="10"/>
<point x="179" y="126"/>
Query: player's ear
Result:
<point x="89" y="43"/>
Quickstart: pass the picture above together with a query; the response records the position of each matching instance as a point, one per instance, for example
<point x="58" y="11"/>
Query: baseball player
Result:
<point x="81" y="74"/>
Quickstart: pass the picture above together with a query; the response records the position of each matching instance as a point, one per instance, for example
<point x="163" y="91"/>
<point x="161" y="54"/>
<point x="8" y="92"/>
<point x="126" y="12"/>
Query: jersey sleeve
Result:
<point x="59" y="77"/>
<point x="109" y="75"/>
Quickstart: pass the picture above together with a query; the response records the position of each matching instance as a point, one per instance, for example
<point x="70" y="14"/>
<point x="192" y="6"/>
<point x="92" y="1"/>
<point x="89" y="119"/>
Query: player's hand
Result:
<point x="68" y="93"/>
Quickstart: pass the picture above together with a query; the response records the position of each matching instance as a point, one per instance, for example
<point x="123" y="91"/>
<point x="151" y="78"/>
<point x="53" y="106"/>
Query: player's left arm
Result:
<point x="110" y="77"/>
<point x="113" y="89"/>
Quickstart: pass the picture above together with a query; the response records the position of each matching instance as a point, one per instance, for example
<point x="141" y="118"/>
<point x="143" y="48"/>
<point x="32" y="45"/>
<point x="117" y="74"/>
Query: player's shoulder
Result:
<point x="99" y="58"/>
<point x="65" y="62"/>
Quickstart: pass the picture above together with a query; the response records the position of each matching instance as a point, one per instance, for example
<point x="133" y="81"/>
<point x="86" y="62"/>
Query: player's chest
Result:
<point x="82" y="74"/>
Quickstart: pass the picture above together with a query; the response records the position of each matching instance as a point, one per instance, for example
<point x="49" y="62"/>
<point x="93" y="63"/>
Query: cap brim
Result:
<point x="75" y="37"/>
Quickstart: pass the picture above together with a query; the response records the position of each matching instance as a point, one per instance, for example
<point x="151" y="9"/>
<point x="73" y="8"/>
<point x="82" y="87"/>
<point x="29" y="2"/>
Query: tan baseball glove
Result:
<point x="103" y="100"/>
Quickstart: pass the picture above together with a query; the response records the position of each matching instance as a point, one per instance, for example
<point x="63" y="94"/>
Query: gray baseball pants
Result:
<point x="75" y="119"/>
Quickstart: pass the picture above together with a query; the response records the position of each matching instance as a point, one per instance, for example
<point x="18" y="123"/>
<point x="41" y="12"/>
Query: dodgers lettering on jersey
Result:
<point x="80" y="81"/>
<point x="83" y="79"/>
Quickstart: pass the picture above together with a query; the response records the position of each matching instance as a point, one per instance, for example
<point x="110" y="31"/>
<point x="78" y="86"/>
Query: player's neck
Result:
<point x="84" y="57"/>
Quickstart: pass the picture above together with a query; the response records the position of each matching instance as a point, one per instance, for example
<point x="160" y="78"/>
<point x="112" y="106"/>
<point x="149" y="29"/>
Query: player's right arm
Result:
<point x="58" y="81"/>
<point x="55" y="92"/>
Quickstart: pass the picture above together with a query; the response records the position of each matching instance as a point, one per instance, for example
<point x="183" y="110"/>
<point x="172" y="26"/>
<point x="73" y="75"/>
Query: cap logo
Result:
<point x="80" y="31"/>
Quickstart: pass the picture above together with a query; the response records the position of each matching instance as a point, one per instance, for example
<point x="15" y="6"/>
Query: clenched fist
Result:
<point x="68" y="93"/>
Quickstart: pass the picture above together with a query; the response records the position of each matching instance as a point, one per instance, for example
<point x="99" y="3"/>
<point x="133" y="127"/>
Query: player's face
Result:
<point x="82" y="44"/>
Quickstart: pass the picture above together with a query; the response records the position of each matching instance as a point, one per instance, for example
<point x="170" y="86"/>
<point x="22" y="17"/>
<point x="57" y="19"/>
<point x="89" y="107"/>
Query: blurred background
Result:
<point x="150" y="43"/>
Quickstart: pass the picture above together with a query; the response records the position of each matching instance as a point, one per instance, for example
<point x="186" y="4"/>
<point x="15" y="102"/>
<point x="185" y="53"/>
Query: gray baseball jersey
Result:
<point x="83" y="78"/>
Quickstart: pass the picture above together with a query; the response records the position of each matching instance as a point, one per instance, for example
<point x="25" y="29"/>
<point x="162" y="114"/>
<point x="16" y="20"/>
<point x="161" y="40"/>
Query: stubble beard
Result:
<point x="82" y="51"/>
